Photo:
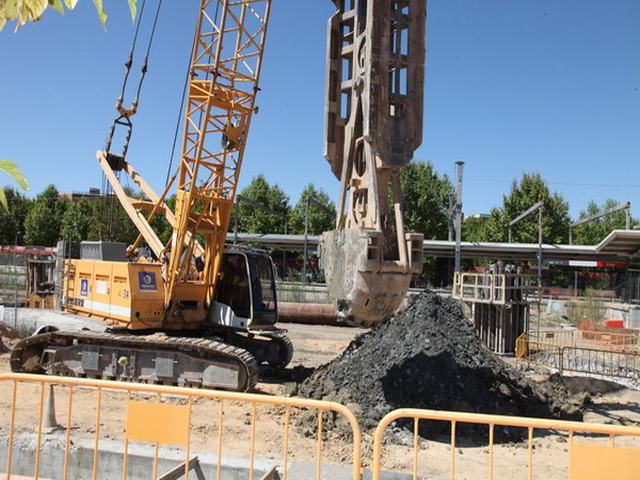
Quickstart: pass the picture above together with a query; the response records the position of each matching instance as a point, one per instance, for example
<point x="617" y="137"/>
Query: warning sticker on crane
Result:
<point x="147" y="281"/>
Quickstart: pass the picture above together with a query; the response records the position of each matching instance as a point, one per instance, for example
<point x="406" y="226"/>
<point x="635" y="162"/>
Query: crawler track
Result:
<point x="161" y="359"/>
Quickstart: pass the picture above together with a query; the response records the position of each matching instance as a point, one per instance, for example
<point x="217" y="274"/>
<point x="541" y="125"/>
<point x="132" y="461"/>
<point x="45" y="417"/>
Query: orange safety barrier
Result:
<point x="152" y="416"/>
<point x="587" y="459"/>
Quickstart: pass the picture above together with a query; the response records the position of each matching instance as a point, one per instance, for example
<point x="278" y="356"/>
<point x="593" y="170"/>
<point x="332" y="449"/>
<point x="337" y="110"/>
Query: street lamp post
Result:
<point x="626" y="206"/>
<point x="539" y="207"/>
<point x="306" y="241"/>
<point x="459" y="170"/>
<point x="284" y="252"/>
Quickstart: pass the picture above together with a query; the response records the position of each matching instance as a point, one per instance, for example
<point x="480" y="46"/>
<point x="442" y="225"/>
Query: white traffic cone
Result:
<point x="50" y="423"/>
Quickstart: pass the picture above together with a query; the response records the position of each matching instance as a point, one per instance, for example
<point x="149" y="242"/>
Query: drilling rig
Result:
<point x="373" y="125"/>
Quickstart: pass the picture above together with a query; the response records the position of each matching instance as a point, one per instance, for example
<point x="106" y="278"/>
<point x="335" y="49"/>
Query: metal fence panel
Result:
<point x="590" y="437"/>
<point x="100" y="413"/>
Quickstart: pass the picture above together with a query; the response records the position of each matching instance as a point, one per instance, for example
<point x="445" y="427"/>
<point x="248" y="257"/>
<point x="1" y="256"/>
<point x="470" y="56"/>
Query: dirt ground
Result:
<point x="315" y="345"/>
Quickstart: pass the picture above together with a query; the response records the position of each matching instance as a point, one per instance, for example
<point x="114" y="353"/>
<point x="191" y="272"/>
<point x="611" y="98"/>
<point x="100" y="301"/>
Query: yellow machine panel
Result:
<point x="124" y="294"/>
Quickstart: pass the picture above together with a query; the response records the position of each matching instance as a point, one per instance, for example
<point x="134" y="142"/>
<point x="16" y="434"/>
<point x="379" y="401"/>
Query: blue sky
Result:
<point x="551" y="86"/>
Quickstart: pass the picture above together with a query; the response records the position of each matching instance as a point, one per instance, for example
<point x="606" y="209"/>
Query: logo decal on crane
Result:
<point x="147" y="281"/>
<point x="84" y="287"/>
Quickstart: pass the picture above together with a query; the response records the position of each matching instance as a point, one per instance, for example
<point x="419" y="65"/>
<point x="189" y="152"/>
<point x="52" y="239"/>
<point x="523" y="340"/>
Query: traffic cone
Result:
<point x="50" y="423"/>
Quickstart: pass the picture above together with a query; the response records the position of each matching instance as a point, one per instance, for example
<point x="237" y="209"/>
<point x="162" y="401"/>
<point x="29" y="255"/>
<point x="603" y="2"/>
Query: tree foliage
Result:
<point x="110" y="221"/>
<point x="77" y="221"/>
<point x="474" y="229"/>
<point x="256" y="215"/>
<point x="28" y="11"/>
<point x="530" y="189"/>
<point x="594" y="232"/>
<point x="12" y="218"/>
<point x="426" y="200"/>
<point x="320" y="220"/>
<point x="160" y="225"/>
<point x="105" y="219"/>
<point x="44" y="220"/>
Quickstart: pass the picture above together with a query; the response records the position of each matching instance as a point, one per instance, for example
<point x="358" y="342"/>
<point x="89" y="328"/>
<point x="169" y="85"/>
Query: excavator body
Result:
<point x="140" y="344"/>
<point x="130" y="295"/>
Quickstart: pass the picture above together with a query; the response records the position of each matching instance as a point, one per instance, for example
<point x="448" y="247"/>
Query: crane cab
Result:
<point x="245" y="297"/>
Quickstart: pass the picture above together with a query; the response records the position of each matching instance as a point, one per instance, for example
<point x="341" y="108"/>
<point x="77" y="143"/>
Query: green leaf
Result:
<point x="11" y="9"/>
<point x="11" y="169"/>
<point x="101" y="13"/>
<point x="3" y="200"/>
<point x="133" y="8"/>
<point x="24" y="17"/>
<point x="57" y="6"/>
<point x="3" y="21"/>
<point x="71" y="4"/>
<point x="36" y="7"/>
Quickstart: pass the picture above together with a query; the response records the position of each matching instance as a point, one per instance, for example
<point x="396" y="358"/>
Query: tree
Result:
<point x="255" y="215"/>
<point x="531" y="189"/>
<point x="105" y="219"/>
<point x="77" y="221"/>
<point x="474" y="228"/>
<point x="27" y="11"/>
<point x="12" y="218"/>
<point x="43" y="222"/>
<point x="160" y="225"/>
<point x="110" y="222"/>
<point x="426" y="200"/>
<point x="594" y="232"/>
<point x="320" y="220"/>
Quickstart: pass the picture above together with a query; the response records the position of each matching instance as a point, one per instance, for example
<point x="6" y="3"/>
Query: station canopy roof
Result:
<point x="621" y="243"/>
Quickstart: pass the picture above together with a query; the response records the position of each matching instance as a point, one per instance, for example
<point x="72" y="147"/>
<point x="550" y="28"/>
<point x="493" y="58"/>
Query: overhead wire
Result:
<point x="149" y="44"/>
<point x="565" y="184"/>
<point x="129" y="61"/>
<point x="179" y="120"/>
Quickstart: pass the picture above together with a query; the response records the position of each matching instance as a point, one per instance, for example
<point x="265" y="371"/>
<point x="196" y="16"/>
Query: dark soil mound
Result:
<point x="586" y="385"/>
<point x="429" y="357"/>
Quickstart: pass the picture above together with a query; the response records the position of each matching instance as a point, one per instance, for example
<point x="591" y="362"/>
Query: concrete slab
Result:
<point x="140" y="461"/>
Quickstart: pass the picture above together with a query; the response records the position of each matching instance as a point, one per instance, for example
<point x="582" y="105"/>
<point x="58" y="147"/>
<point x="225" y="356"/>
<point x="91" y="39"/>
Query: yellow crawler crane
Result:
<point x="199" y="316"/>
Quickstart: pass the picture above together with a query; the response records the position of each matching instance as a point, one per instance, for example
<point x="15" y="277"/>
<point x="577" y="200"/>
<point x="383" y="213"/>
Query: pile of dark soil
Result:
<point x="8" y="337"/>
<point x="585" y="385"/>
<point x="429" y="357"/>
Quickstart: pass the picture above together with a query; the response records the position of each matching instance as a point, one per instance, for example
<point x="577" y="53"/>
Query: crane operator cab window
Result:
<point x="233" y="286"/>
<point x="247" y="286"/>
<point x="263" y="285"/>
